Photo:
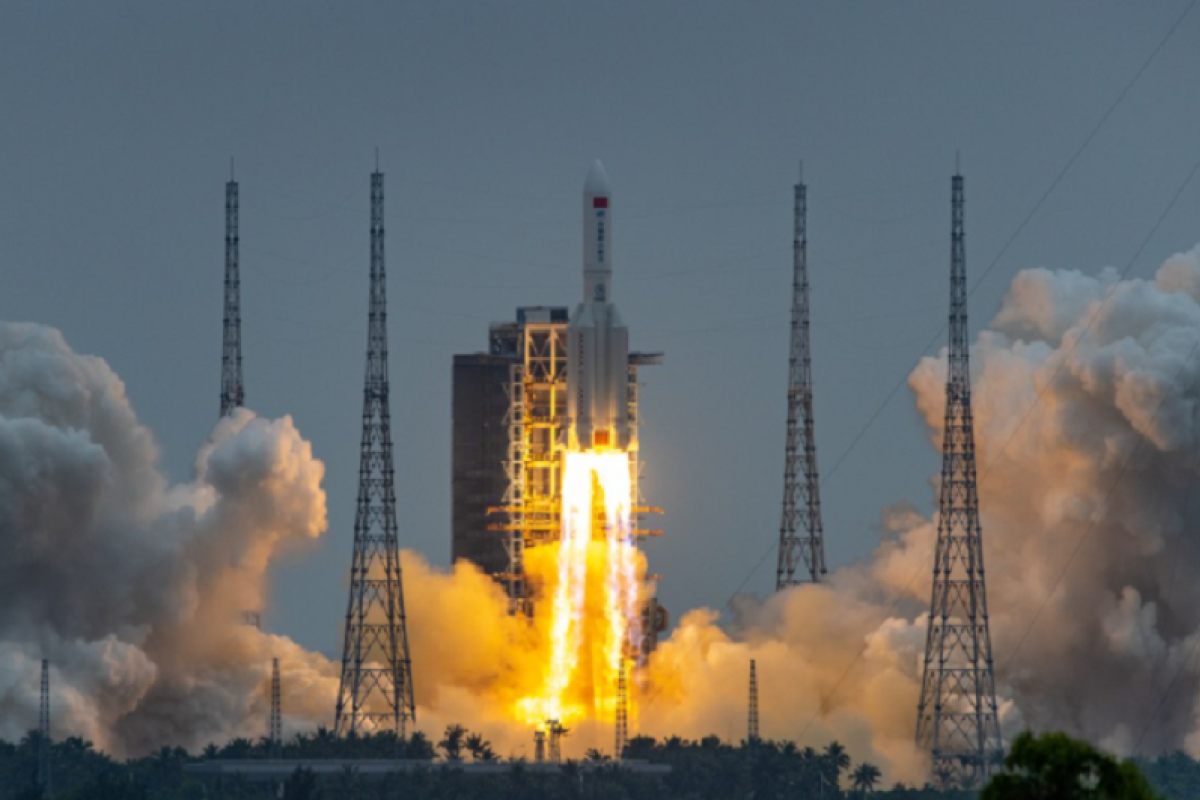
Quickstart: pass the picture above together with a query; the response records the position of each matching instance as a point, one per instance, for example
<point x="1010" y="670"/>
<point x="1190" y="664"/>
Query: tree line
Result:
<point x="1049" y="767"/>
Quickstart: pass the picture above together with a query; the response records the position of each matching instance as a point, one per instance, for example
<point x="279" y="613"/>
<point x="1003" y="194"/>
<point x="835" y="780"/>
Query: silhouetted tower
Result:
<point x="539" y="746"/>
<point x="956" y="718"/>
<point x="752" y="728"/>
<point x="376" y="688"/>
<point x="557" y="732"/>
<point x="276" y="736"/>
<point x="622" y="713"/>
<point x="801" y="537"/>
<point x="233" y="393"/>
<point x="44" y="749"/>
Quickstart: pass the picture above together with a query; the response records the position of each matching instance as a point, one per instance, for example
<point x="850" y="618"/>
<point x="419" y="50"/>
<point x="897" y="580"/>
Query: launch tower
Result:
<point x="376" y="690"/>
<point x="957" y="721"/>
<point x="801" y="537"/>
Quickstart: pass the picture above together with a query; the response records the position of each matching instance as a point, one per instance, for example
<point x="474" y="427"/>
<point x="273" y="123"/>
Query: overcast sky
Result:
<point x="120" y="120"/>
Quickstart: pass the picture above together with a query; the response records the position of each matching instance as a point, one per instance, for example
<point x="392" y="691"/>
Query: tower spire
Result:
<point x="801" y="537"/>
<point x="376" y="686"/>
<point x="957" y="721"/>
<point x="752" y="727"/>
<point x="233" y="394"/>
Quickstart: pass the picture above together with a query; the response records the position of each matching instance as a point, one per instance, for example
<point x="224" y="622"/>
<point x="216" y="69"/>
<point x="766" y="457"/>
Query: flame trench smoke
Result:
<point x="131" y="587"/>
<point x="1087" y="409"/>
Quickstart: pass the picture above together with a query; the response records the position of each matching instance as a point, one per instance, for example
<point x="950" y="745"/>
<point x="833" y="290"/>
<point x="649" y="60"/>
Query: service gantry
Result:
<point x="233" y="393"/>
<point x="535" y="347"/>
<point x="376" y="691"/>
<point x="801" y="537"/>
<point x="957" y="723"/>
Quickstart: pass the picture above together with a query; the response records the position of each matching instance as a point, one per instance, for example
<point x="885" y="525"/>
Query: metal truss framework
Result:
<point x="752" y="725"/>
<point x="275" y="737"/>
<point x="957" y="721"/>
<point x="376" y="691"/>
<point x="233" y="392"/>
<point x="44" y="770"/>
<point x="536" y="422"/>
<point x="801" y="537"/>
<point x="622" y="726"/>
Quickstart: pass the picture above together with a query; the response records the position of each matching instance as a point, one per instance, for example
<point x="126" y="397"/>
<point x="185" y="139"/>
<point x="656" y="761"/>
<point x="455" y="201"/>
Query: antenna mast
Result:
<point x="801" y="537"/>
<point x="957" y="721"/>
<point x="233" y="393"/>
<point x="376" y="687"/>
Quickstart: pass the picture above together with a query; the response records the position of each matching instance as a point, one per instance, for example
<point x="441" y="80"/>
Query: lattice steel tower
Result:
<point x="275" y="738"/>
<point x="956" y="718"/>
<point x="376" y="688"/>
<point x="233" y="393"/>
<point x="800" y="533"/>
<point x="752" y="727"/>
<point x="44" y="751"/>
<point x="622" y="731"/>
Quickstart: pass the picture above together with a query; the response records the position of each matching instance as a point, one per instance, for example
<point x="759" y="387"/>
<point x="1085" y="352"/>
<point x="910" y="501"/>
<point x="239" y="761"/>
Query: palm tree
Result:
<point x="833" y="762"/>
<point x="865" y="777"/>
<point x="452" y="742"/>
<point x="480" y="748"/>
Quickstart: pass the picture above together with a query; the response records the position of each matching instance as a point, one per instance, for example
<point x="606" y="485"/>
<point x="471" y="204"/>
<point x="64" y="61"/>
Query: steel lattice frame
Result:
<point x="801" y="537"/>
<point x="622" y="727"/>
<point x="752" y="726"/>
<point x="957" y="721"/>
<point x="44" y="751"/>
<point x="233" y="393"/>
<point x="376" y="690"/>
<point x="275" y="737"/>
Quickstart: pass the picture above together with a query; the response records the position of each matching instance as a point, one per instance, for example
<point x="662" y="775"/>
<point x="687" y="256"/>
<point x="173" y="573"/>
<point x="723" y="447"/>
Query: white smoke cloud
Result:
<point x="131" y="587"/>
<point x="1087" y="409"/>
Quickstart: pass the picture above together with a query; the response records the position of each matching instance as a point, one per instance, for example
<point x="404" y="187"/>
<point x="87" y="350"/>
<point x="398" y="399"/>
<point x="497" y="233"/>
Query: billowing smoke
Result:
<point x="1087" y="407"/>
<point x="133" y="588"/>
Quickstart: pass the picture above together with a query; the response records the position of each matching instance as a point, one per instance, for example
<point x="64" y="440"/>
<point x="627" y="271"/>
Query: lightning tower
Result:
<point x="376" y="687"/>
<point x="956" y="717"/>
<point x="801" y="537"/>
<point x="275" y="749"/>
<point x="752" y="727"/>
<point x="44" y="780"/>
<point x="233" y="393"/>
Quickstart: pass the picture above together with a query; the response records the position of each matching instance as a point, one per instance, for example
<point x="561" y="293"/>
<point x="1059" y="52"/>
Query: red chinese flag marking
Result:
<point x="599" y="202"/>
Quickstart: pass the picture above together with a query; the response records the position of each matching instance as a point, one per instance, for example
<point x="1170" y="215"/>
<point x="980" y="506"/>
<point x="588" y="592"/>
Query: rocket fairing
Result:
<point x="597" y="339"/>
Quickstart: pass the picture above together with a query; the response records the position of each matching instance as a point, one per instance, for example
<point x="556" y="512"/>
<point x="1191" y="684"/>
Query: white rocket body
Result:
<point x="597" y="340"/>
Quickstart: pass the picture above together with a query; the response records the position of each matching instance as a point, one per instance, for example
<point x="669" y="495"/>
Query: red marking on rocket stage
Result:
<point x="599" y="202"/>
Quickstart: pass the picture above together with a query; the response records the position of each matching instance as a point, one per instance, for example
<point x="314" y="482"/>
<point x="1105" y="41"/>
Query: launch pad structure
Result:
<point x="514" y="423"/>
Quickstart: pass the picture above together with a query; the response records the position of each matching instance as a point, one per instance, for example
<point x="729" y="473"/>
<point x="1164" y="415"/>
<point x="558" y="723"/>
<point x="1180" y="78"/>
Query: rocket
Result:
<point x="597" y="339"/>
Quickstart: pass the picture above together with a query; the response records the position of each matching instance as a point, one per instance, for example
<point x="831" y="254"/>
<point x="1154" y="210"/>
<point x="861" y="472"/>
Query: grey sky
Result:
<point x="119" y="121"/>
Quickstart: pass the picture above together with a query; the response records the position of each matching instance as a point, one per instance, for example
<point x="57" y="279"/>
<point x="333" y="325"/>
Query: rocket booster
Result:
<point x="597" y="339"/>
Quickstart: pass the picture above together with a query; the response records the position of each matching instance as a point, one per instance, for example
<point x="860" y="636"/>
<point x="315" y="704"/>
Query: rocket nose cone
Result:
<point x="597" y="180"/>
